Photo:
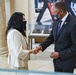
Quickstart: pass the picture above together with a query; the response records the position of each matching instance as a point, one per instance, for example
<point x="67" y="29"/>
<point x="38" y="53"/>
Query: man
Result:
<point x="65" y="40"/>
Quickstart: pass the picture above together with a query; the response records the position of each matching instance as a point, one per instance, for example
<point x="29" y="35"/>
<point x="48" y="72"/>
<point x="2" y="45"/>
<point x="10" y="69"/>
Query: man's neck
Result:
<point x="63" y="14"/>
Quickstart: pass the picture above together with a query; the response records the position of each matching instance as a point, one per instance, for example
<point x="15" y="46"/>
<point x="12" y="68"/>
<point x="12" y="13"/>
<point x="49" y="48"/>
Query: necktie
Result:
<point x="59" y="26"/>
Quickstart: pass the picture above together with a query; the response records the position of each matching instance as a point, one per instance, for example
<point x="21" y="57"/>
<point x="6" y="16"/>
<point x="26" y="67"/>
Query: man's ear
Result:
<point x="61" y="12"/>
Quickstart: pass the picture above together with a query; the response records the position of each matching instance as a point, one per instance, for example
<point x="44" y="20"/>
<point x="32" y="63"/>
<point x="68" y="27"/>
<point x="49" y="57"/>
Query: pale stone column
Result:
<point x="31" y="11"/>
<point x="31" y="18"/>
<point x="3" y="45"/>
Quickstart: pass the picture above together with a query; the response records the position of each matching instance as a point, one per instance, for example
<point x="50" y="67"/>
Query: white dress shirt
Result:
<point x="64" y="18"/>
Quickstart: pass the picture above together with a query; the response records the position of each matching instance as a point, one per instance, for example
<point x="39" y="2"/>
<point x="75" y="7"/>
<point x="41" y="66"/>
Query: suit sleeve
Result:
<point x="17" y="46"/>
<point x="47" y="42"/>
<point x="71" y="51"/>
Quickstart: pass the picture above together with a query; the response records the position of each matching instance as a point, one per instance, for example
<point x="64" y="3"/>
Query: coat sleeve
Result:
<point x="47" y="42"/>
<point x="18" y="50"/>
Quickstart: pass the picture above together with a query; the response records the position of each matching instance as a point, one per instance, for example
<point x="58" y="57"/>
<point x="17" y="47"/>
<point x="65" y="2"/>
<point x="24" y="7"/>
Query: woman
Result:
<point x="18" y="54"/>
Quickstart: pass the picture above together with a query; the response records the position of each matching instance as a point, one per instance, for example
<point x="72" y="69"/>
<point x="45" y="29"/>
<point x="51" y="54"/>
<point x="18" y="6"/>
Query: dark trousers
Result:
<point x="57" y="69"/>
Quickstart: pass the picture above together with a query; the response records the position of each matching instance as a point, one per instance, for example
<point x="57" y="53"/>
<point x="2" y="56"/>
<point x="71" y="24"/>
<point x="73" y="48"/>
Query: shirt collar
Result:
<point x="64" y="18"/>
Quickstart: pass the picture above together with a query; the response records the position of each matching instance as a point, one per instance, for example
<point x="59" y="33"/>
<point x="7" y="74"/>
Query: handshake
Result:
<point x="54" y="55"/>
<point x="35" y="50"/>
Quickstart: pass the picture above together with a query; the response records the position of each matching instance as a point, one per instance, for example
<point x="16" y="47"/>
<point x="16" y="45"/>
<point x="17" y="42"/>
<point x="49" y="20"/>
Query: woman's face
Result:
<point x="24" y="18"/>
<point x="24" y="23"/>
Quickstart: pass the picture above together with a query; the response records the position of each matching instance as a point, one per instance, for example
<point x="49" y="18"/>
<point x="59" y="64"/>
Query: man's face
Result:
<point x="54" y="10"/>
<point x="57" y="12"/>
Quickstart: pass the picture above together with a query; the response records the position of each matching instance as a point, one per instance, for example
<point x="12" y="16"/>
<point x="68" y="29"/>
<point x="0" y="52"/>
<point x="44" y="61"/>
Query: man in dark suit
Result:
<point x="65" y="40"/>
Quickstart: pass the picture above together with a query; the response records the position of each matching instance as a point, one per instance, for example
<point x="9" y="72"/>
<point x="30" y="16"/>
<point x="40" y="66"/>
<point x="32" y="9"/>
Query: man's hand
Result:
<point x="54" y="55"/>
<point x="36" y="49"/>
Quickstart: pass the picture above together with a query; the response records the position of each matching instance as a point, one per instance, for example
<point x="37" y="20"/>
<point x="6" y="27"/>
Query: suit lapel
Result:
<point x="63" y="27"/>
<point x="55" y="29"/>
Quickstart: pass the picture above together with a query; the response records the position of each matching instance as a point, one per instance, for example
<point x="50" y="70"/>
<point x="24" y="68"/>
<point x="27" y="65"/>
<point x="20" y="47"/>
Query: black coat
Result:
<point x="65" y="43"/>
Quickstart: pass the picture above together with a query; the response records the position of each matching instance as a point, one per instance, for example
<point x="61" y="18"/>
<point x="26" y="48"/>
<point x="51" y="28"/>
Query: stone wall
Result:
<point x="3" y="45"/>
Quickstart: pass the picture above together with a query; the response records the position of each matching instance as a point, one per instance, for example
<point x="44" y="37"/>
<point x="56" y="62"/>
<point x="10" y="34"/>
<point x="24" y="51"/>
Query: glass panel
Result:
<point x="23" y="72"/>
<point x="44" y="28"/>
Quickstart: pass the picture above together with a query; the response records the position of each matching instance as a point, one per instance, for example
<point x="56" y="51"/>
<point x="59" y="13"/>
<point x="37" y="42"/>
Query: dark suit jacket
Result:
<point x="65" y="43"/>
